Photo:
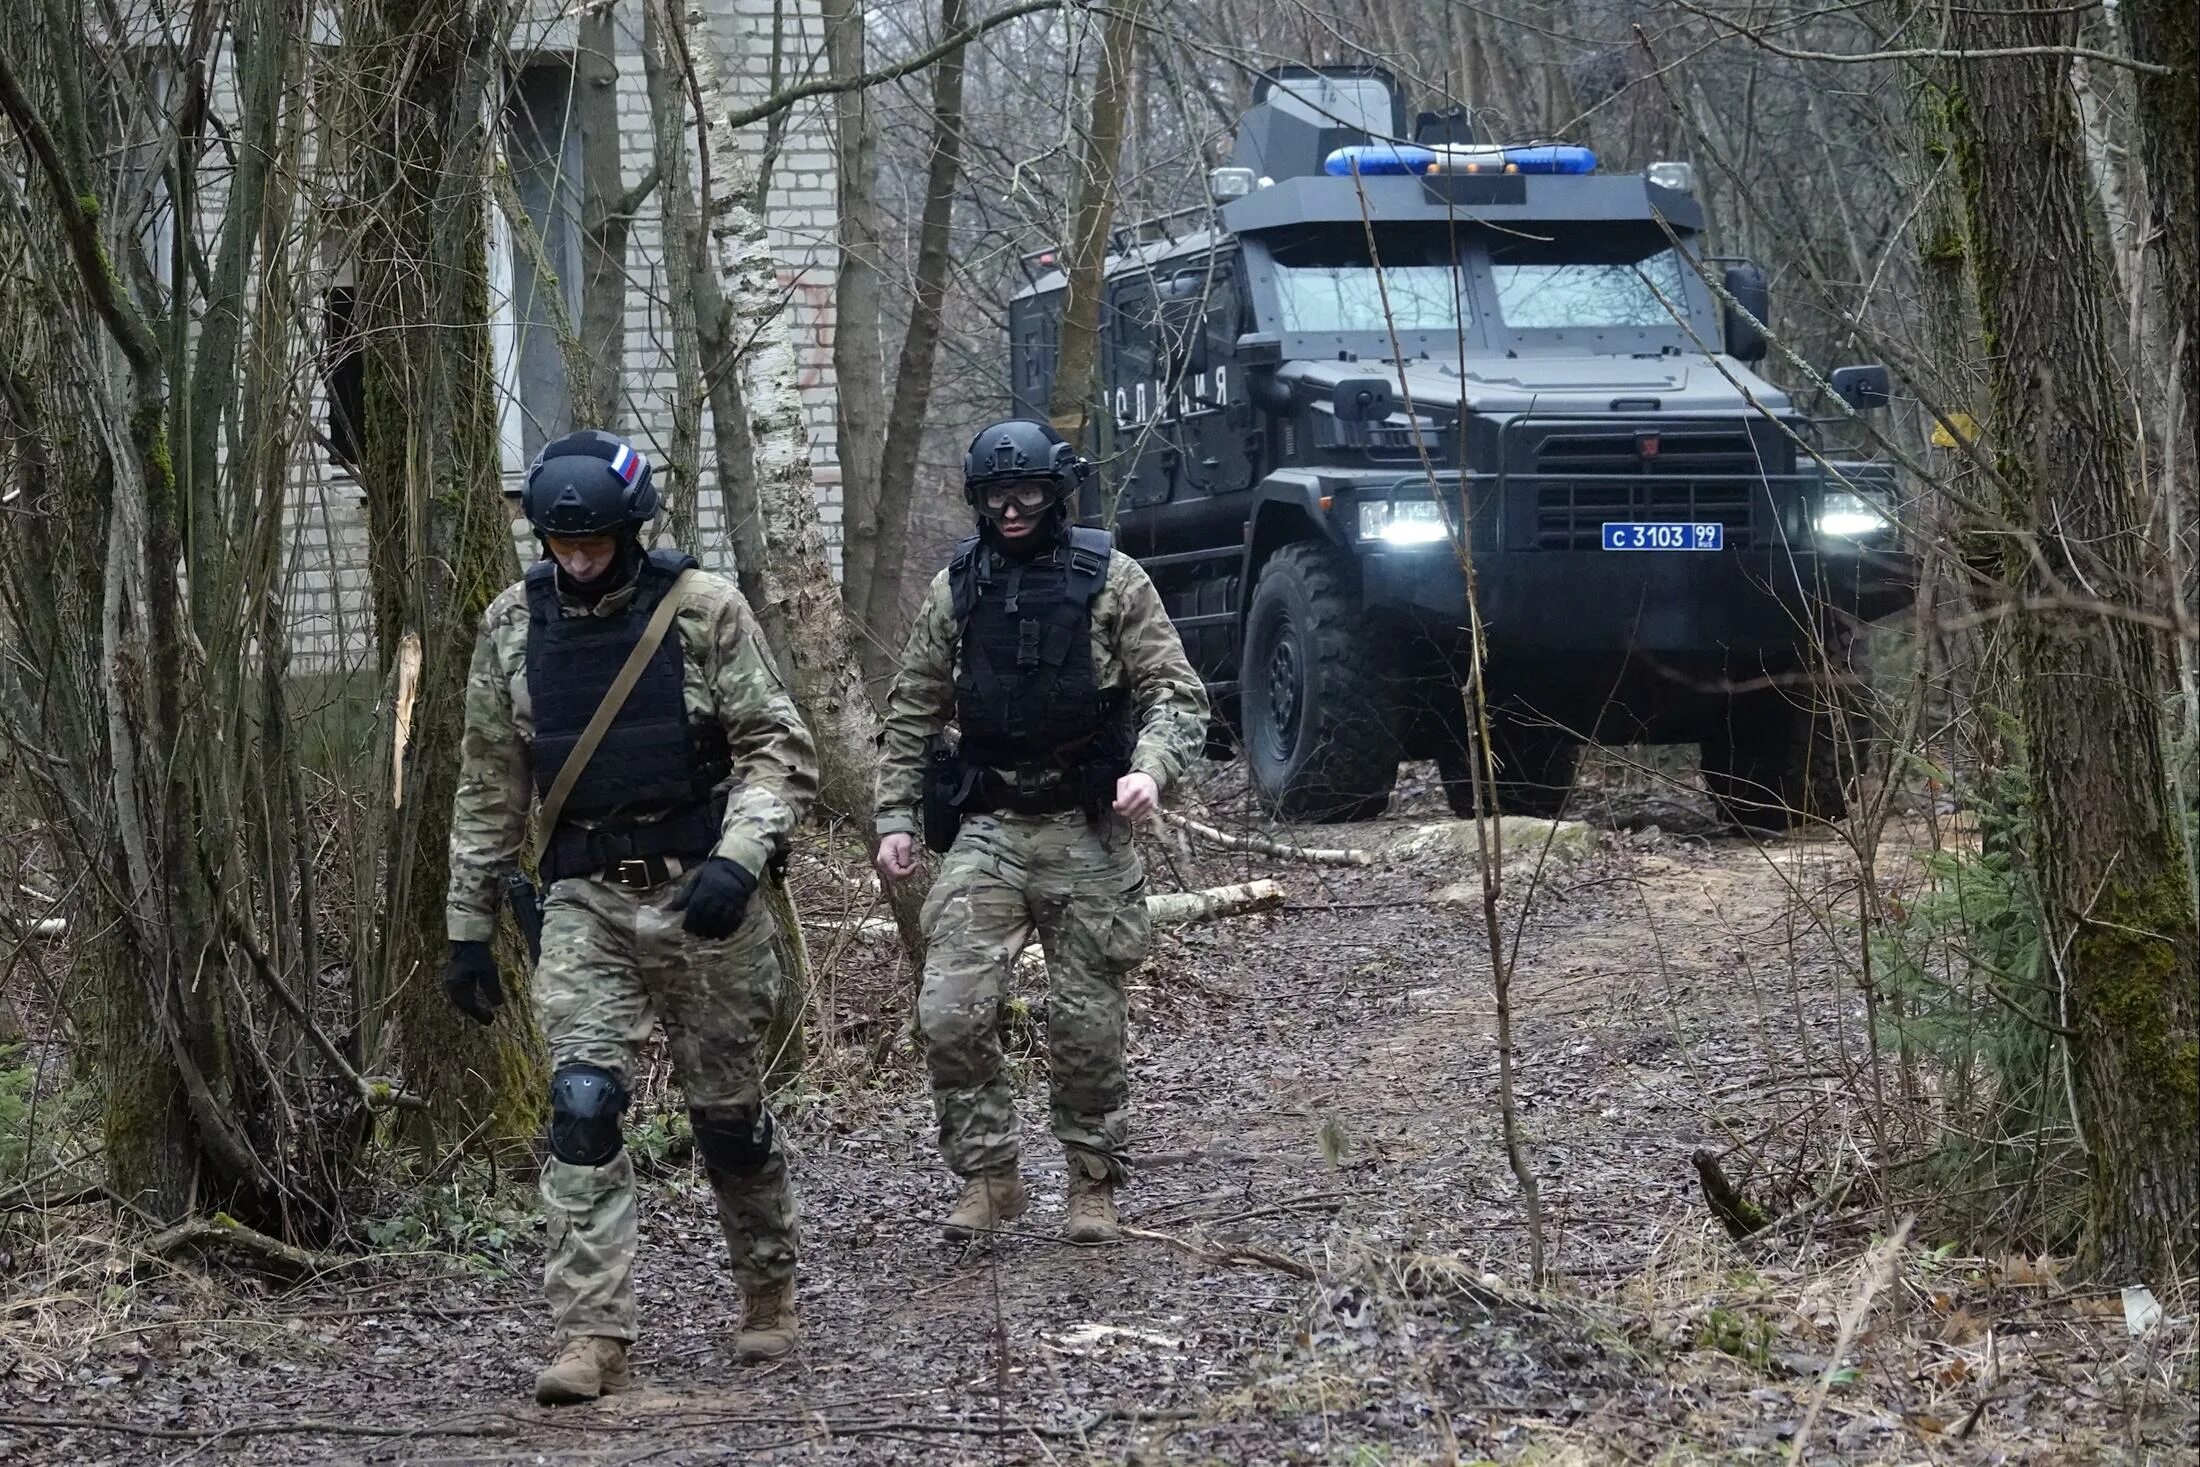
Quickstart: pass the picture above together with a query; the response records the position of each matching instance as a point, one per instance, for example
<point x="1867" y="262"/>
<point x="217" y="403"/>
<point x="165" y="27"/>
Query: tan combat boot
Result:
<point x="586" y="1366"/>
<point x="1091" y="1215"/>
<point x="988" y="1200"/>
<point x="767" y="1322"/>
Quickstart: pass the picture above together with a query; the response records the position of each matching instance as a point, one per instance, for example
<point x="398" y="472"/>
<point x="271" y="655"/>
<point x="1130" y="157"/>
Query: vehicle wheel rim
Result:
<point x="1283" y="695"/>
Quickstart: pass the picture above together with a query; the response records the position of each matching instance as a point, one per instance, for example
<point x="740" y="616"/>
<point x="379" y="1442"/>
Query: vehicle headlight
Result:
<point x="1403" y="521"/>
<point x="1846" y="515"/>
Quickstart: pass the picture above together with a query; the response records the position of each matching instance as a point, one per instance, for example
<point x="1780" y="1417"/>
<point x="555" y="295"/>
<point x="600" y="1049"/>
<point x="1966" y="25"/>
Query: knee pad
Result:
<point x="586" y="1102"/>
<point x="732" y="1143"/>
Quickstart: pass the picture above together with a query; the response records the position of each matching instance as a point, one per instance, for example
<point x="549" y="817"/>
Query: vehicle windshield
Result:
<point x="1350" y="298"/>
<point x="1540" y="287"/>
<point x="1326" y="282"/>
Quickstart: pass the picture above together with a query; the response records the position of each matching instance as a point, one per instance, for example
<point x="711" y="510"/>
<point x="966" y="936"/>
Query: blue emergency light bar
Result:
<point x="1552" y="158"/>
<point x="1369" y="160"/>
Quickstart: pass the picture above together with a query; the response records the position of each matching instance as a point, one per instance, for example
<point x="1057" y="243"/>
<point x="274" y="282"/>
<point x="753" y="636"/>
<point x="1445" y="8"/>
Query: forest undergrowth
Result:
<point x="1325" y="1259"/>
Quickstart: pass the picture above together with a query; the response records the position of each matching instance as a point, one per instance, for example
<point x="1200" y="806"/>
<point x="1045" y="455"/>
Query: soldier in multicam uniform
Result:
<point x="1076" y="706"/>
<point x="687" y="801"/>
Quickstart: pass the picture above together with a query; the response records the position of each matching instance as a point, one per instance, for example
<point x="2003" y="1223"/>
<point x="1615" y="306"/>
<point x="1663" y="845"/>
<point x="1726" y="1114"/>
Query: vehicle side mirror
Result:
<point x="1362" y="400"/>
<point x="1862" y="388"/>
<point x="1207" y="346"/>
<point x="1750" y="290"/>
<point x="1177" y="319"/>
<point x="1259" y="349"/>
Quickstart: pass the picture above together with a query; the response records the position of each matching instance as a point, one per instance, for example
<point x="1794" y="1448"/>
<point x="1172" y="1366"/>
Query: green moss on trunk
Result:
<point x="2104" y="844"/>
<point x="2133" y="960"/>
<point x="440" y="544"/>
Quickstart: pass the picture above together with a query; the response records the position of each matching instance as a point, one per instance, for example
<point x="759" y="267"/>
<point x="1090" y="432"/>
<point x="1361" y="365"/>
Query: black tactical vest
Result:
<point x="1026" y="697"/>
<point x="647" y="790"/>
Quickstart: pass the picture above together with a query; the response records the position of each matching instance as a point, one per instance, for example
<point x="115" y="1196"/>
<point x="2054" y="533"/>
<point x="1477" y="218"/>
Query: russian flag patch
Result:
<point x="627" y="464"/>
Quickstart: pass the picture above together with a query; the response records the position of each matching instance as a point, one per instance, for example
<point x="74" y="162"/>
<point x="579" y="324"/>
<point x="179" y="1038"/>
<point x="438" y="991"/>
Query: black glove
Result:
<point x="470" y="981"/>
<point x="716" y="899"/>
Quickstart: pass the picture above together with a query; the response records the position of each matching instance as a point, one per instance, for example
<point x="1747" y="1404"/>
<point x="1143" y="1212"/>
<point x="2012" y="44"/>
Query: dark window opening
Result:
<point x="345" y="366"/>
<point x="544" y="144"/>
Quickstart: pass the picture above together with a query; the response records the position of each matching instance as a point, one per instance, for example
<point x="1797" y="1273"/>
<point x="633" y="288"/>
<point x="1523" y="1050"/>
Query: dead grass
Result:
<point x="1328" y="1266"/>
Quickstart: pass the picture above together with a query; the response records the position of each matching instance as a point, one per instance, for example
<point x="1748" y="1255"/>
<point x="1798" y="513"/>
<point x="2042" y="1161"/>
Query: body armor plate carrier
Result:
<point x="648" y="791"/>
<point x="1026" y="696"/>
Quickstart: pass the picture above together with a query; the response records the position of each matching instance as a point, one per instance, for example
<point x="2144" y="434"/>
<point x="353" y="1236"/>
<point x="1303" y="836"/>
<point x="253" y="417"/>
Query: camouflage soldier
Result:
<point x="683" y="806"/>
<point x="1052" y="654"/>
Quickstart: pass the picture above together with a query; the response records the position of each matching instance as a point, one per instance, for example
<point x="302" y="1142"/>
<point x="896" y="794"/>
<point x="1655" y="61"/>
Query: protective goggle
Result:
<point x="1027" y="495"/>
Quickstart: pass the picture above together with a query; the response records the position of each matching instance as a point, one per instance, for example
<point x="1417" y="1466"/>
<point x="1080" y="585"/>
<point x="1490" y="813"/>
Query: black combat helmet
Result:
<point x="588" y="483"/>
<point x="1021" y="449"/>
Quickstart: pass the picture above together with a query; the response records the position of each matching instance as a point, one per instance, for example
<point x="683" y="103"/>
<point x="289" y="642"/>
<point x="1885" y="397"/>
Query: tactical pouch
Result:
<point x="943" y="795"/>
<point x="1097" y="781"/>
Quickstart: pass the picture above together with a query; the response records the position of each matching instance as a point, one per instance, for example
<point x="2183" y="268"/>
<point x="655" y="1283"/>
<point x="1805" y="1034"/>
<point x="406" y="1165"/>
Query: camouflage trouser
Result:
<point x="1081" y="888"/>
<point x="611" y="958"/>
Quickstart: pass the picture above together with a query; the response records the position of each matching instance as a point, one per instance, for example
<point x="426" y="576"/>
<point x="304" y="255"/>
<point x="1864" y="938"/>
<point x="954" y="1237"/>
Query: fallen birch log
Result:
<point x="1163" y="909"/>
<point x="1167" y="909"/>
<point x="48" y="927"/>
<point x="1179" y="908"/>
<point x="1175" y="908"/>
<point x="1262" y="845"/>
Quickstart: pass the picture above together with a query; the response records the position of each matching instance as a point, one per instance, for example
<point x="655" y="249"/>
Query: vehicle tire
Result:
<point x="1783" y="757"/>
<point x="1320" y="735"/>
<point x="1535" y="771"/>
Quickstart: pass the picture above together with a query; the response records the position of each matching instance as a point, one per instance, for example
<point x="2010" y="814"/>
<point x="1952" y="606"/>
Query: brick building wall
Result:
<point x="331" y="617"/>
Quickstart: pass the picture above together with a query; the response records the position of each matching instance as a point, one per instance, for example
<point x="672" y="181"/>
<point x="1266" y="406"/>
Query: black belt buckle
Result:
<point x="636" y="873"/>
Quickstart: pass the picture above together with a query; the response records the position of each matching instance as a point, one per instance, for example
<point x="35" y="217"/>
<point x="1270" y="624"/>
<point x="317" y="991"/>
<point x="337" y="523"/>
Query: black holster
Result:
<point x="946" y="787"/>
<point x="526" y="905"/>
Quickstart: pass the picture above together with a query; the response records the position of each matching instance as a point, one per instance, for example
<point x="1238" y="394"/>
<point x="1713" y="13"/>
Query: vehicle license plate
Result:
<point x="1637" y="535"/>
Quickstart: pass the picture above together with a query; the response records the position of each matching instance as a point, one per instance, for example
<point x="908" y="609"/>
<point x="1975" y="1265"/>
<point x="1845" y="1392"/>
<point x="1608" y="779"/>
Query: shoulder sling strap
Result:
<point x="614" y="698"/>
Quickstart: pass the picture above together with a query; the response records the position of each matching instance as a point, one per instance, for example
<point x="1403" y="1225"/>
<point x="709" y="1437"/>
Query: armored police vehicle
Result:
<point x="1386" y="355"/>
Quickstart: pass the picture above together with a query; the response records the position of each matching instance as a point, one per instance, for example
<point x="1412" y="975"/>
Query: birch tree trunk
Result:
<point x="2105" y="842"/>
<point x="919" y="351"/>
<point x="1090" y="215"/>
<point x="731" y="447"/>
<point x="796" y="580"/>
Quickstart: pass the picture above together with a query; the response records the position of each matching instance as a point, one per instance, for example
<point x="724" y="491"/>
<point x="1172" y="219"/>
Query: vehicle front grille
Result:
<point x="1677" y="454"/>
<point x="1582" y="480"/>
<point x="1570" y="515"/>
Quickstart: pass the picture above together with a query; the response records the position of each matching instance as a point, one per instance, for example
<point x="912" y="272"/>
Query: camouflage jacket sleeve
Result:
<point x="774" y="758"/>
<point x="917" y="711"/>
<point x="1169" y="696"/>
<point x="489" y="812"/>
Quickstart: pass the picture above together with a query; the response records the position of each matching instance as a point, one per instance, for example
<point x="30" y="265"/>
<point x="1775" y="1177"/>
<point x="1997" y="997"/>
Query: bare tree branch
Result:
<point x="1925" y="53"/>
<point x="825" y="86"/>
<point x="129" y="328"/>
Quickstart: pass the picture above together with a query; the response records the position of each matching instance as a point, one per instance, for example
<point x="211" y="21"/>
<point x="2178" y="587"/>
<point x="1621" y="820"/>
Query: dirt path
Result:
<point x="1332" y="1264"/>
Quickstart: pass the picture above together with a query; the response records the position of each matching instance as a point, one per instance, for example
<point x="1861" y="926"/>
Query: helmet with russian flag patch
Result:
<point x="588" y="483"/>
